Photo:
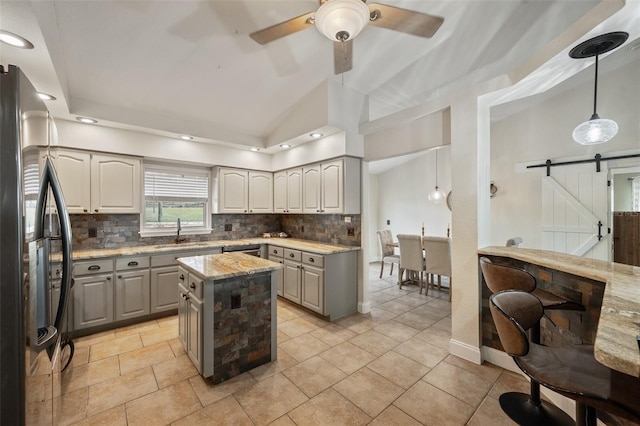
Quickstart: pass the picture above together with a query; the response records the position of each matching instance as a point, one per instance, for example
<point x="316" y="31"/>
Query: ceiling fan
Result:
<point x="342" y="20"/>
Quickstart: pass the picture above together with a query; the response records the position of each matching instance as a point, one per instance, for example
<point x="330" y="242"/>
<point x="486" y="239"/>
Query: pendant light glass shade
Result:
<point x="436" y="196"/>
<point x="596" y="130"/>
<point x="342" y="20"/>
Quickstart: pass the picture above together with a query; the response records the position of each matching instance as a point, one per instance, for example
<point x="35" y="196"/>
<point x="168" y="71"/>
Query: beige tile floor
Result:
<point x="389" y="367"/>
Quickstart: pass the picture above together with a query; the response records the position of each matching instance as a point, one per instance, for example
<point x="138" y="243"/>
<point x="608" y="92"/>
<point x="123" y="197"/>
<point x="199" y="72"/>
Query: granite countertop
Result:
<point x="619" y="324"/>
<point x="227" y="265"/>
<point x="292" y="243"/>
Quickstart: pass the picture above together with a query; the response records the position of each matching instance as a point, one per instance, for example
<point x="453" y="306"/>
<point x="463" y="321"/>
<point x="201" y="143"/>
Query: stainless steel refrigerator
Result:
<point x="35" y="233"/>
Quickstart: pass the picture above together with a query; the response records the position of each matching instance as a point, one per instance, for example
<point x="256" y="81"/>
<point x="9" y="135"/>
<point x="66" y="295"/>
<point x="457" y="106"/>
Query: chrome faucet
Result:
<point x="178" y="239"/>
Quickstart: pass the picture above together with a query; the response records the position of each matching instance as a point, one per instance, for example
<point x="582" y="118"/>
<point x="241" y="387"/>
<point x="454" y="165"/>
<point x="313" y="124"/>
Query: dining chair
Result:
<point x="514" y="242"/>
<point x="438" y="258"/>
<point x="385" y="237"/>
<point x="411" y="257"/>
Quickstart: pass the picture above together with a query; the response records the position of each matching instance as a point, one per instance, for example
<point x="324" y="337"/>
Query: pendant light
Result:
<point x="596" y="130"/>
<point x="436" y="196"/>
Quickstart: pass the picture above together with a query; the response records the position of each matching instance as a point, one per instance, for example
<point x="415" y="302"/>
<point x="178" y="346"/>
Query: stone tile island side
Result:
<point x="227" y="312"/>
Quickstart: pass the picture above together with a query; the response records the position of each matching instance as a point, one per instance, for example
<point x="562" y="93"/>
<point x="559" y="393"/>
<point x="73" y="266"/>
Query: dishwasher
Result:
<point x="251" y="250"/>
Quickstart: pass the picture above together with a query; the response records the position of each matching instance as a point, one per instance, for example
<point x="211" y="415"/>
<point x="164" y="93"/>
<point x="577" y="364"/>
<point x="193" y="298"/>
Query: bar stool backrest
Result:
<point x="503" y="277"/>
<point x="514" y="312"/>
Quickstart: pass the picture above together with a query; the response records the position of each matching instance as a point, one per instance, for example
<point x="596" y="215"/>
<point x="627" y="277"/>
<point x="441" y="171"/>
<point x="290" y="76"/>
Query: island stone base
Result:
<point x="242" y="316"/>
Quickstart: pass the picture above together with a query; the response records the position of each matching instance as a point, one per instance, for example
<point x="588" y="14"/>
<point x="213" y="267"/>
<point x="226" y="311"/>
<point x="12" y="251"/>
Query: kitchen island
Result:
<point x="227" y="312"/>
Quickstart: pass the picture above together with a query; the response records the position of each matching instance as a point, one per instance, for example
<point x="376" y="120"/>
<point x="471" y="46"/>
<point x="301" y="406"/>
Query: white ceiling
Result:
<point x="189" y="67"/>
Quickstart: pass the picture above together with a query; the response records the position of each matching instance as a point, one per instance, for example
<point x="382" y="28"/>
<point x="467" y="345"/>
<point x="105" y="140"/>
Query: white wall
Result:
<point x="622" y="192"/>
<point x="544" y="131"/>
<point x="370" y="203"/>
<point x="402" y="196"/>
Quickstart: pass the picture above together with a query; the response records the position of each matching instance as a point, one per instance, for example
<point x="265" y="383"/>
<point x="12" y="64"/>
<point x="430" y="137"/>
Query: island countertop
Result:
<point x="227" y="265"/>
<point x="619" y="324"/>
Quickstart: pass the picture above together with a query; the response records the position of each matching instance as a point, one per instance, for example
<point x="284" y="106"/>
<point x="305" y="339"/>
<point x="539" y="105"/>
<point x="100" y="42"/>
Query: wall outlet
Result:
<point x="302" y="228"/>
<point x="236" y="301"/>
<point x="93" y="232"/>
<point x="388" y="222"/>
<point x="350" y="232"/>
<point x="228" y="227"/>
<point x="347" y="219"/>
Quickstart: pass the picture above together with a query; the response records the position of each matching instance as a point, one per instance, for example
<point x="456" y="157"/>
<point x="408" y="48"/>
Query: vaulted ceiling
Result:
<point x="189" y="67"/>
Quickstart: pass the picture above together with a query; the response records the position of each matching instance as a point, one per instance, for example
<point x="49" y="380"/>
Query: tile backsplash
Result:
<point x="98" y="231"/>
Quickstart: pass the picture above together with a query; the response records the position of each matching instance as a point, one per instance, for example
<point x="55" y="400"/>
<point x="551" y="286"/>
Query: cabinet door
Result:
<point x="234" y="191"/>
<point x="291" y="289"/>
<point x="115" y="184"/>
<point x="260" y="192"/>
<point x="332" y="187"/>
<point x="194" y="330"/>
<point x="280" y="287"/>
<point x="294" y="191"/>
<point x="74" y="173"/>
<point x="164" y="283"/>
<point x="311" y="189"/>
<point x="313" y="288"/>
<point x="132" y="294"/>
<point x="280" y="192"/>
<point x="183" y="312"/>
<point x="92" y="301"/>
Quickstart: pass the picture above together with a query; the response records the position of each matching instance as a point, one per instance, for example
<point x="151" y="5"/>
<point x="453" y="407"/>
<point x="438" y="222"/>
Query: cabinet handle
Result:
<point x="275" y="252"/>
<point x="181" y="277"/>
<point x="96" y="210"/>
<point x="317" y="211"/>
<point x="250" y="211"/>
<point x="192" y="286"/>
<point x="108" y="278"/>
<point x="291" y="255"/>
<point x="245" y="211"/>
<point x="94" y="268"/>
<point x="119" y="276"/>
<point x="132" y="263"/>
<point x="85" y="210"/>
<point x="311" y="260"/>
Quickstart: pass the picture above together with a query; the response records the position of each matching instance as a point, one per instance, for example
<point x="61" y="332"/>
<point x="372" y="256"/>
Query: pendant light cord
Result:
<point x="436" y="169"/>
<point x="595" y="90"/>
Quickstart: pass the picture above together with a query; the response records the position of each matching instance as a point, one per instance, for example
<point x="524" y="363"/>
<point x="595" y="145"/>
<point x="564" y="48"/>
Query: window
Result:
<point x="172" y="193"/>
<point x="31" y="182"/>
<point x="635" y="194"/>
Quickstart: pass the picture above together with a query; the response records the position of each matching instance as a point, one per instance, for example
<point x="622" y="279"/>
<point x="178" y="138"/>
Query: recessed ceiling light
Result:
<point x="285" y="145"/>
<point x="316" y="135"/>
<point x="86" y="120"/>
<point x="255" y="149"/>
<point x="186" y="138"/>
<point x="15" y="40"/>
<point x="46" y="96"/>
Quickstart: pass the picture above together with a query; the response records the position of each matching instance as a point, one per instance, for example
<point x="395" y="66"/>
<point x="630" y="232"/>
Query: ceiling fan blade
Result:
<point x="406" y="21"/>
<point x="282" y="29"/>
<point x="342" y="56"/>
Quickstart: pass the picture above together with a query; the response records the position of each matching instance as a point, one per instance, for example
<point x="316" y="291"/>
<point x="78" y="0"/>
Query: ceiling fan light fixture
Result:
<point x="342" y="20"/>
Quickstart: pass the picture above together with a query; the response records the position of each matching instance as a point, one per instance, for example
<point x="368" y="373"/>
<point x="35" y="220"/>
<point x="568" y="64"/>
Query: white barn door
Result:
<point x="574" y="203"/>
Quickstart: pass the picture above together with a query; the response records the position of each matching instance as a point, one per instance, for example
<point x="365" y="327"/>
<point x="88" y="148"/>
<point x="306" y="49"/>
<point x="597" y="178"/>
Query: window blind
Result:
<point x="31" y="179"/>
<point x="168" y="185"/>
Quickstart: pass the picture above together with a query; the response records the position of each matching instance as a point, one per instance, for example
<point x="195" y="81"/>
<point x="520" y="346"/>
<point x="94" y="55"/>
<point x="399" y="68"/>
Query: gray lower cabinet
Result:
<point x="326" y="284"/>
<point x="132" y="294"/>
<point x="163" y="288"/>
<point x="190" y="317"/>
<point x="92" y="300"/>
<point x="280" y="285"/>
<point x="313" y="288"/>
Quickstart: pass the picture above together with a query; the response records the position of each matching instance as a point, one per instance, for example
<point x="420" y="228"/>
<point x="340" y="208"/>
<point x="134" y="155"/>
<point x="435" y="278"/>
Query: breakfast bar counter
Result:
<point x="227" y="312"/>
<point x="616" y="344"/>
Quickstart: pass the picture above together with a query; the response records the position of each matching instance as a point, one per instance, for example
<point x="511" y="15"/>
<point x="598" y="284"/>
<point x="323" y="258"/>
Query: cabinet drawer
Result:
<point x="195" y="285"/>
<point x="164" y="259"/>
<point x="313" y="259"/>
<point x="293" y="255"/>
<point x="276" y="251"/>
<point x="124" y="263"/>
<point x="93" y="267"/>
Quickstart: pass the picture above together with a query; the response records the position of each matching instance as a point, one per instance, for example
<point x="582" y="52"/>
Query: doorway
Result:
<point x="625" y="212"/>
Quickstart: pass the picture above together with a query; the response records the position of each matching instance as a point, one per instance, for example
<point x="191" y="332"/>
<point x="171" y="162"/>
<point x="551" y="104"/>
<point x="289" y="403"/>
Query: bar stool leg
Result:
<point x="531" y="410"/>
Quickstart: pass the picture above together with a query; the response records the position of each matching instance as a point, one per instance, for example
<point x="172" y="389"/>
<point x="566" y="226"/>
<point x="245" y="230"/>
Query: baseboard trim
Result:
<point x="364" y="307"/>
<point x="465" y="351"/>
